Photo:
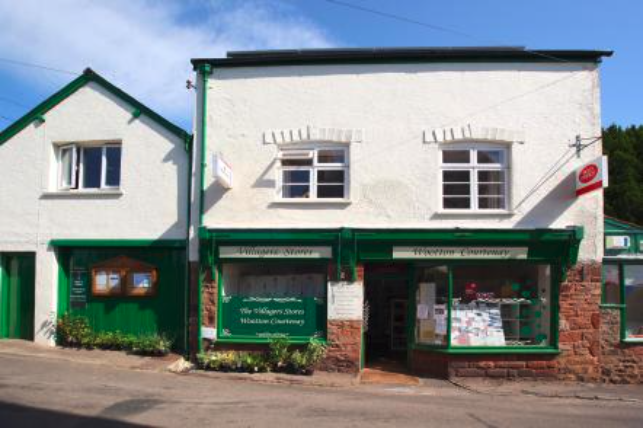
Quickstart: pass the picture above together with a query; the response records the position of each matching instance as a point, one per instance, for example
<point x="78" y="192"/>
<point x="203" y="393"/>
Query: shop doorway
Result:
<point x="386" y="301"/>
<point x="17" y="286"/>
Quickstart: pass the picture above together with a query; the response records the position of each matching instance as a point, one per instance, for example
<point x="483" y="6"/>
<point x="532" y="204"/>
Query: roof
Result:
<point x="616" y="225"/>
<point x="88" y="76"/>
<point x="408" y="54"/>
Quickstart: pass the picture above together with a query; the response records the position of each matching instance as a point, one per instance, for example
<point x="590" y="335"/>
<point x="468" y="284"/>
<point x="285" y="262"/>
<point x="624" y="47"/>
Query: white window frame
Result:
<point x="313" y="154"/>
<point x="78" y="165"/>
<point x="473" y="167"/>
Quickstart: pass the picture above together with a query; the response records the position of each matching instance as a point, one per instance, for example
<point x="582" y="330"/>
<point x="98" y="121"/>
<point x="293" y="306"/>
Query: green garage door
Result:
<point x="17" y="295"/>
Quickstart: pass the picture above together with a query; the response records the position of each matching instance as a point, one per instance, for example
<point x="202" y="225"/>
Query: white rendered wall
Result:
<point x="394" y="173"/>
<point x="151" y="205"/>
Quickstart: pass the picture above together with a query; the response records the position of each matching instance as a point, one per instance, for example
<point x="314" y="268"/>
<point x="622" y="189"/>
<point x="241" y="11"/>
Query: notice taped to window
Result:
<point x="345" y="301"/>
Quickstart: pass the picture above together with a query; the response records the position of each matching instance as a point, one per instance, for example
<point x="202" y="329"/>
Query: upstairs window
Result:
<point x="320" y="174"/>
<point x="92" y="167"/>
<point x="474" y="179"/>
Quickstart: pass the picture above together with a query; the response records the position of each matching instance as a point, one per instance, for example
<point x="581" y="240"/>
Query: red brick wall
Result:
<point x="579" y="339"/>
<point x="344" y="347"/>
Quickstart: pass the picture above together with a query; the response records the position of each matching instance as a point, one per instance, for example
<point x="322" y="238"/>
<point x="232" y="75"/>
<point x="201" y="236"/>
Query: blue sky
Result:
<point x="144" y="46"/>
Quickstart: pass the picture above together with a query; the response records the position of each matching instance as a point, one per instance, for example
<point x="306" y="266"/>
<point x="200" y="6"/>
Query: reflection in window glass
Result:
<point x="611" y="284"/>
<point x="633" y="275"/>
<point x="274" y="280"/>
<point x="431" y="310"/>
<point x="113" y="166"/>
<point x="500" y="305"/>
<point x="456" y="156"/>
<point x="92" y="164"/>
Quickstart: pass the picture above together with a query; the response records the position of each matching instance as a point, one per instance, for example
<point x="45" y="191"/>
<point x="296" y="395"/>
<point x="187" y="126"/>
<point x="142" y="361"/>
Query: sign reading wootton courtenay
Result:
<point x="503" y="253"/>
<point x="257" y="252"/>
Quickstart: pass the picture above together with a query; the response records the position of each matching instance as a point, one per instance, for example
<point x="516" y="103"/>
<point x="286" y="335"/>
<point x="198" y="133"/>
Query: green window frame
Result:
<point x="621" y="306"/>
<point x="554" y="293"/>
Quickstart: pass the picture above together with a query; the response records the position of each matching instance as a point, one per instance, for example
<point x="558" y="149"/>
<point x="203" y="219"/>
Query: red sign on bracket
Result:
<point x="591" y="176"/>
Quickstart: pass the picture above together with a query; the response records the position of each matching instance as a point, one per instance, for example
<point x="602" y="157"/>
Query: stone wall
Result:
<point x="620" y="362"/>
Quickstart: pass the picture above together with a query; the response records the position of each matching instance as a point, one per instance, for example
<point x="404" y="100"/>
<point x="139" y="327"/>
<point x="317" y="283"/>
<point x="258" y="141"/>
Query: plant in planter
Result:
<point x="279" y="354"/>
<point x="73" y="331"/>
<point x="153" y="345"/>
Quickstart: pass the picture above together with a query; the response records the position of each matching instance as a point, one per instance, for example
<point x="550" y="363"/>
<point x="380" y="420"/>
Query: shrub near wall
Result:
<point x="75" y="332"/>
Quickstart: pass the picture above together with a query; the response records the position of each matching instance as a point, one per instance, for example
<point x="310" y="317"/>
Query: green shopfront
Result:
<point x="424" y="299"/>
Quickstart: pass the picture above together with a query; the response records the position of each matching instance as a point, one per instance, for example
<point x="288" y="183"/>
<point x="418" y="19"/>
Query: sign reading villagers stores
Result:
<point x="274" y="252"/>
<point x="268" y="317"/>
<point x="497" y="253"/>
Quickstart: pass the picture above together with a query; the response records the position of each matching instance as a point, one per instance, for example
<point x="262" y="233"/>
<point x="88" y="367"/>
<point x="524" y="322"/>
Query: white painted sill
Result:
<point x="481" y="213"/>
<point x="82" y="193"/>
<point x="312" y="201"/>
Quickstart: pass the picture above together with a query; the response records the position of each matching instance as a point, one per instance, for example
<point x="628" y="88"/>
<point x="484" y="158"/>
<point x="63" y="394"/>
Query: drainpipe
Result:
<point x="189" y="146"/>
<point x="204" y="71"/>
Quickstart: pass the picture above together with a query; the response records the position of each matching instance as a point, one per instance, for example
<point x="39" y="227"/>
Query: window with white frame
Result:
<point x="474" y="178"/>
<point x="320" y="173"/>
<point x="90" y="167"/>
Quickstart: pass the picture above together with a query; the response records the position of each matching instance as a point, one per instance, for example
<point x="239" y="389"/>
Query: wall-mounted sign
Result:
<point x="209" y="333"/>
<point x="222" y="171"/>
<point x="503" y="253"/>
<point x="78" y="291"/>
<point x="268" y="317"/>
<point x="592" y="176"/>
<point x="617" y="242"/>
<point x="258" y="252"/>
<point x="345" y="301"/>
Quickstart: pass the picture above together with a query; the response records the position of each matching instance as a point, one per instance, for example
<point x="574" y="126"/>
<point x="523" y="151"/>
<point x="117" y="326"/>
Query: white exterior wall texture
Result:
<point x="154" y="187"/>
<point x="394" y="173"/>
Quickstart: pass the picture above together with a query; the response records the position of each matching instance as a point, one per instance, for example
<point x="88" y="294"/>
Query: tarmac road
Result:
<point x="41" y="392"/>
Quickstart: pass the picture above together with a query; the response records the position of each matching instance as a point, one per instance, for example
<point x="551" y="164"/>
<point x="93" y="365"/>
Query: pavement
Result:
<point x="41" y="386"/>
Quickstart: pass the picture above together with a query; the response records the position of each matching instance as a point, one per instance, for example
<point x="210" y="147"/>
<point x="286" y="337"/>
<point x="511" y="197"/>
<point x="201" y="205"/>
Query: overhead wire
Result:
<point x="38" y="66"/>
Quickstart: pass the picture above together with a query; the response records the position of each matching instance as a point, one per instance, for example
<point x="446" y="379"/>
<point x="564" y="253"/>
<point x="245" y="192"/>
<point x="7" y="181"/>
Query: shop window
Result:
<point x="633" y="300"/>
<point x="611" y="284"/>
<point x="264" y="300"/>
<point x="474" y="178"/>
<point x="92" y="167"/>
<point x="431" y="311"/>
<point x="507" y="305"/>
<point x="123" y="276"/>
<point x="320" y="174"/>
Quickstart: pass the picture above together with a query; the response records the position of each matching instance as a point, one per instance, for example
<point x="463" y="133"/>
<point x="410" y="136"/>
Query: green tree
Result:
<point x="624" y="196"/>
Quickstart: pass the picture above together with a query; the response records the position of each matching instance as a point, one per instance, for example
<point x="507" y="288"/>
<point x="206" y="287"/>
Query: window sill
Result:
<point x="111" y="193"/>
<point x="481" y="213"/>
<point x="490" y="350"/>
<point x="611" y="306"/>
<point x="633" y="341"/>
<point x="312" y="201"/>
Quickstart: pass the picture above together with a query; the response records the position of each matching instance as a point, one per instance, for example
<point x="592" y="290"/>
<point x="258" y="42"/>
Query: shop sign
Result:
<point x="267" y="317"/>
<point x="345" y="301"/>
<point x="493" y="253"/>
<point x="592" y="176"/>
<point x="256" y="252"/>
<point x="222" y="171"/>
<point x="78" y="292"/>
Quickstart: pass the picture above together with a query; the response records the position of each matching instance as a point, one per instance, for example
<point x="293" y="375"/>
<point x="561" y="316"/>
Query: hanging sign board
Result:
<point x="222" y="171"/>
<point x="494" y="253"/>
<point x="257" y="252"/>
<point x="78" y="291"/>
<point x="345" y="301"/>
<point x="591" y="176"/>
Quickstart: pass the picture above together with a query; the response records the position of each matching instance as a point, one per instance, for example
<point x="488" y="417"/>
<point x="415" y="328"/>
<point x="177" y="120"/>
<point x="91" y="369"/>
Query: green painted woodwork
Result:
<point x="490" y="350"/>
<point x="38" y="112"/>
<point x="17" y="294"/>
<point x="244" y="316"/>
<point x="137" y="243"/>
<point x="163" y="313"/>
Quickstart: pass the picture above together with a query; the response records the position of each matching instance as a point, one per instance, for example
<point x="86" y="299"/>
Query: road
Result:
<point x="41" y="392"/>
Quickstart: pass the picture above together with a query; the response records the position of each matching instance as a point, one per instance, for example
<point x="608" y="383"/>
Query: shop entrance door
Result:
<point x="386" y="294"/>
<point x="17" y="283"/>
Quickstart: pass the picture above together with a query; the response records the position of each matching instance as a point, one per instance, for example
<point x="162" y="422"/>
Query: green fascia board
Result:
<point x="141" y="243"/>
<point x="274" y="235"/>
<point x="88" y="76"/>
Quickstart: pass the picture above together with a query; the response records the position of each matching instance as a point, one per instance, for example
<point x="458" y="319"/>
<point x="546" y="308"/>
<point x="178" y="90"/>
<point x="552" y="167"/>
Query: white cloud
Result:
<point x="145" y="46"/>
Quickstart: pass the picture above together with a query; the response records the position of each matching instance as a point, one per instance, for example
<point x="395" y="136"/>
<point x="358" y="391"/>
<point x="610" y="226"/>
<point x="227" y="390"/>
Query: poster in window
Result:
<point x="114" y="282"/>
<point x="101" y="281"/>
<point x="142" y="280"/>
